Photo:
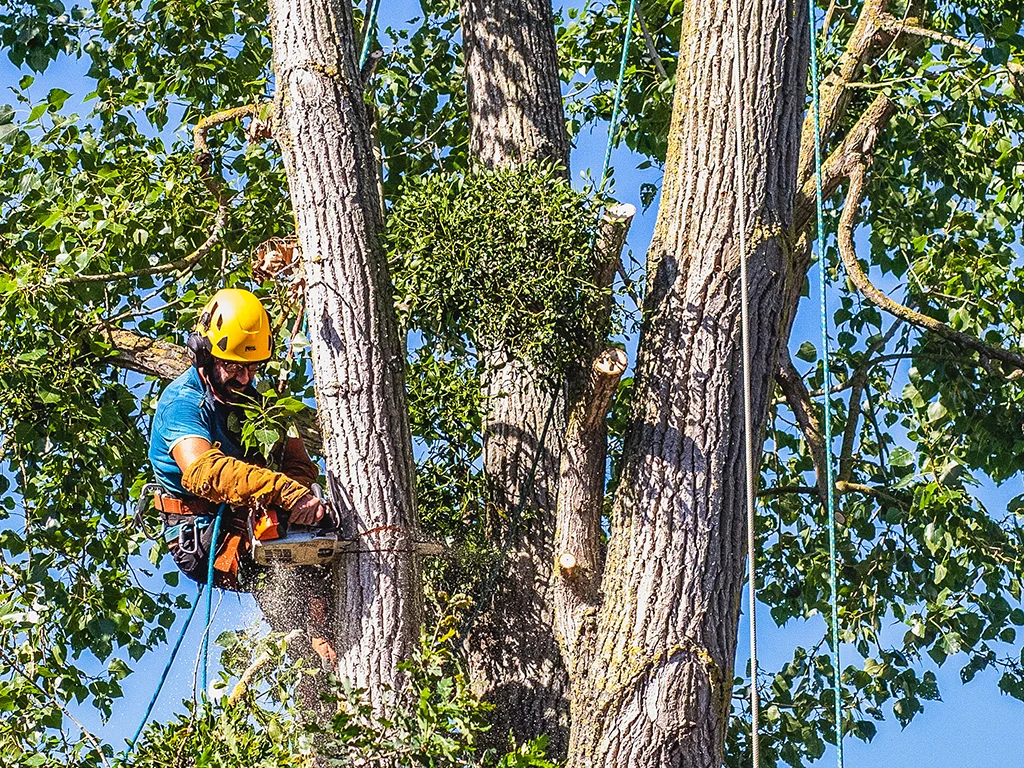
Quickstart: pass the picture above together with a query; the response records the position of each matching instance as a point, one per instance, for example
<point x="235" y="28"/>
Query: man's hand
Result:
<point x="308" y="510"/>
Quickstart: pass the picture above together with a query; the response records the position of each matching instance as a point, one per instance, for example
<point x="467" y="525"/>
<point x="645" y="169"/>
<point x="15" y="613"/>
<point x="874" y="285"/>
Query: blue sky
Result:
<point x="973" y="726"/>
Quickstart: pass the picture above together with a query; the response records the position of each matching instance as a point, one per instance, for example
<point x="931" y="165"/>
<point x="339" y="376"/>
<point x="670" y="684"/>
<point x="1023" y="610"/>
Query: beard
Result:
<point x="225" y="388"/>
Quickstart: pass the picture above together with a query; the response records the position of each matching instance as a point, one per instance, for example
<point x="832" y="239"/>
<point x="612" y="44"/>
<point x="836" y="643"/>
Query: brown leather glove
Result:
<point x="295" y="463"/>
<point x="221" y="478"/>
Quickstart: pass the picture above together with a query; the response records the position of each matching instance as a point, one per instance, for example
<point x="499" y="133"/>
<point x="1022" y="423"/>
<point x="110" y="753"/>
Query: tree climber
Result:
<point x="199" y="462"/>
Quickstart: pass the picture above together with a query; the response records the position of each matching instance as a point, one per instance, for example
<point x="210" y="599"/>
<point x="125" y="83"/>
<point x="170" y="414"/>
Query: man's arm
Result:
<point x="207" y="472"/>
<point x="295" y="462"/>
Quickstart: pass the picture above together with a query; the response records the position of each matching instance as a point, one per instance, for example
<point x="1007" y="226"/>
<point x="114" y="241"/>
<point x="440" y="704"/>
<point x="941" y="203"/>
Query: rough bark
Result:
<point x="516" y="117"/>
<point x="515" y="96"/>
<point x="322" y="129"/>
<point x="659" y="686"/>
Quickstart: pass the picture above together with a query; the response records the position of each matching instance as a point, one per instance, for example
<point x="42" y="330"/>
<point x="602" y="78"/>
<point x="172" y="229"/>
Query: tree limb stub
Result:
<point x="576" y="578"/>
<point x="847" y="224"/>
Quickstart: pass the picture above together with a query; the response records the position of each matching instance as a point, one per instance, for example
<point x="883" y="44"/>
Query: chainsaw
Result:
<point x="297" y="546"/>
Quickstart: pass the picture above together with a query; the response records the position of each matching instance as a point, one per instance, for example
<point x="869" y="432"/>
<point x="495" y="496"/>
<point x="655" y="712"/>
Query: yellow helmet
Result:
<point x="234" y="326"/>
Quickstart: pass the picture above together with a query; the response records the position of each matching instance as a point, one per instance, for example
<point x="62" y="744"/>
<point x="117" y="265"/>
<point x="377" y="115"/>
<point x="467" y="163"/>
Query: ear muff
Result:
<point x="199" y="350"/>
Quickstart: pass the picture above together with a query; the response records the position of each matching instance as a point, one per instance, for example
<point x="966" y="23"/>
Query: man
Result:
<point x="200" y="463"/>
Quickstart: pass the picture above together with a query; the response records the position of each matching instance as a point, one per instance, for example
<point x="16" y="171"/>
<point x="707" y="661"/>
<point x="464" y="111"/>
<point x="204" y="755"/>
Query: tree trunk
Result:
<point x="516" y="117"/>
<point x="661" y="664"/>
<point x="321" y="126"/>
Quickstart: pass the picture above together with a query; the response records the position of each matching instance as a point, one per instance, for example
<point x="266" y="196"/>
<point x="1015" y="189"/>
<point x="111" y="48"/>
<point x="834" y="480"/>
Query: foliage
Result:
<point x="466" y="250"/>
<point x="436" y="724"/>
<point x="267" y="421"/>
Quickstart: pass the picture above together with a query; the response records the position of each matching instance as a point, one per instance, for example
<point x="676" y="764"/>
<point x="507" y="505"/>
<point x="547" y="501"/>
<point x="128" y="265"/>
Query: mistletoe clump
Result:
<point x="503" y="259"/>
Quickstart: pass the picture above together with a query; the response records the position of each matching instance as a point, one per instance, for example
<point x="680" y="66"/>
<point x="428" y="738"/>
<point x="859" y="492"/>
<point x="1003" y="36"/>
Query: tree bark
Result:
<point x="658" y="690"/>
<point x="321" y="126"/>
<point x="516" y="117"/>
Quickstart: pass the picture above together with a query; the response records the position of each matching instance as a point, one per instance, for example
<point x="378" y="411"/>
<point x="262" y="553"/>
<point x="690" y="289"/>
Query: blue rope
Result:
<point x="371" y="28"/>
<point x="204" y="663"/>
<point x="163" y="675"/>
<point x="617" y="104"/>
<point x="827" y="407"/>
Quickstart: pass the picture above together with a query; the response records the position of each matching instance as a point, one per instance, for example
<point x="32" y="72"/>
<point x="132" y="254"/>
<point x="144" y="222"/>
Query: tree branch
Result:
<point x="181" y="265"/>
<point x="53" y="699"/>
<point x="860" y="141"/>
<point x="847" y="223"/>
<point x="166" y="361"/>
<point x="842" y="487"/>
<point x="795" y="391"/>
<point x="867" y="37"/>
<point x="576" y="576"/>
<point x="910" y="27"/>
<point x="261" y="661"/>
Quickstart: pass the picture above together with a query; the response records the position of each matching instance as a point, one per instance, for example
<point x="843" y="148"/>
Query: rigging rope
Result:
<point x="371" y="29"/>
<point x="163" y="676"/>
<point x="748" y="429"/>
<point x="617" y="103"/>
<point x="826" y="384"/>
<point x="211" y="557"/>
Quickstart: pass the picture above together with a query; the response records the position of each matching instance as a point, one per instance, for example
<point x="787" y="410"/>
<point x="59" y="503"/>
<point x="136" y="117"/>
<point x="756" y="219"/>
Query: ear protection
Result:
<point x="199" y="347"/>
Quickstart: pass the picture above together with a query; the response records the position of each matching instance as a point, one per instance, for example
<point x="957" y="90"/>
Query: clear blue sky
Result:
<point x="973" y="727"/>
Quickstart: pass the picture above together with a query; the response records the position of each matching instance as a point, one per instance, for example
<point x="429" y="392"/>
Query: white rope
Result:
<point x="748" y="432"/>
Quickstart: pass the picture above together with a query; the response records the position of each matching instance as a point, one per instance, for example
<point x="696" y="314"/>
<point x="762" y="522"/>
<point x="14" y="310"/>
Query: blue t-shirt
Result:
<point x="188" y="409"/>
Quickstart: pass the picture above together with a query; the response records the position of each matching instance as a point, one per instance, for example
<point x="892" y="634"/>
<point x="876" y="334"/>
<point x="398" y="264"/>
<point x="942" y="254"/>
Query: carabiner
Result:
<point x="183" y="537"/>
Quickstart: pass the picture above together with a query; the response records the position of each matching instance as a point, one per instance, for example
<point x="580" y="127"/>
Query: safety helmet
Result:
<point x="233" y="326"/>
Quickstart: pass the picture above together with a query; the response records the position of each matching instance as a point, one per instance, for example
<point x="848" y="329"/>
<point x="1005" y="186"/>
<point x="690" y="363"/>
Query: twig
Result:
<point x="649" y="44"/>
<point x="799" y="400"/>
<point x="261" y="661"/>
<point x="182" y="265"/>
<point x="906" y="26"/>
<point x="53" y="699"/>
<point x="847" y="222"/>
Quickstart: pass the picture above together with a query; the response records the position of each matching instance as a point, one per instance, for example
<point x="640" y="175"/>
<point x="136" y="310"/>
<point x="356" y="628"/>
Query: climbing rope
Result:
<point x="211" y="557"/>
<point x="617" y="103"/>
<point x="371" y="28"/>
<point x="163" y="676"/>
<point x="748" y="426"/>
<point x="827" y="378"/>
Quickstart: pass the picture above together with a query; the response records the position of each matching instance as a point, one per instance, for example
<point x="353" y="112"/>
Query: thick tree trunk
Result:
<point x="516" y="117"/>
<point x="662" y="661"/>
<point x="321" y="126"/>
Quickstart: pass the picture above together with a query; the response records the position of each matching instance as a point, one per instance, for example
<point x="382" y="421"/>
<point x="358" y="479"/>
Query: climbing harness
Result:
<point x="617" y="102"/>
<point x="748" y="427"/>
<point x="837" y="689"/>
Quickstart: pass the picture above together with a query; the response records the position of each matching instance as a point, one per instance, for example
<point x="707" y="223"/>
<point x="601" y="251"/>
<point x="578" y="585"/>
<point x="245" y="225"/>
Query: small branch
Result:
<point x="842" y="487"/>
<point x="907" y="26"/>
<point x="203" y="157"/>
<point x="53" y="699"/>
<point x="652" y="49"/>
<point x="799" y="399"/>
<point x="261" y="661"/>
<point x="847" y="223"/>
<point x="181" y="265"/>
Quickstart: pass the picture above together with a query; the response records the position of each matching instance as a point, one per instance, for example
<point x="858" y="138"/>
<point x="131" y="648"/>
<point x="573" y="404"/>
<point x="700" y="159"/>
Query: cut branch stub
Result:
<point x="579" y="508"/>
